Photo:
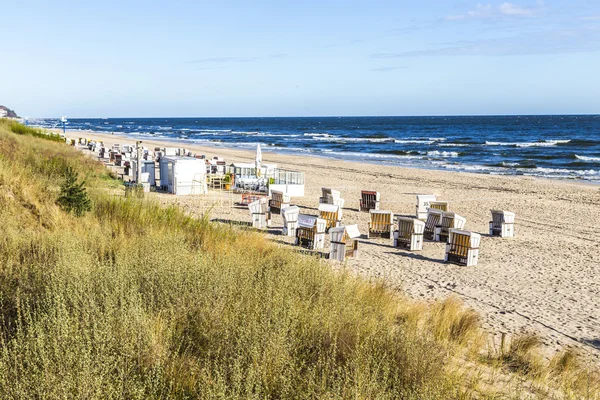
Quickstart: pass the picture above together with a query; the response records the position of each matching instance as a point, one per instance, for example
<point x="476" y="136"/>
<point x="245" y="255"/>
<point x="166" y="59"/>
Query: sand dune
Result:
<point x="544" y="280"/>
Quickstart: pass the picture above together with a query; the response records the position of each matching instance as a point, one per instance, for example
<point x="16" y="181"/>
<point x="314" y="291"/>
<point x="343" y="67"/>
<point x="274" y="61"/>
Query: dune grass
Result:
<point x="137" y="300"/>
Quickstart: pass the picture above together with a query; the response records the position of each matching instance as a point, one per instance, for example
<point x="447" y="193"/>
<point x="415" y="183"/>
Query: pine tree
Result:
<point x="73" y="196"/>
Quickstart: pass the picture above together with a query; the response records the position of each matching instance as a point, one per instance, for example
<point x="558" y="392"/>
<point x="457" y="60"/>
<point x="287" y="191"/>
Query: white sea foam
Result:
<point x="414" y="141"/>
<point x="353" y="140"/>
<point x="453" y="145"/>
<point x="545" y="143"/>
<point x="317" y="134"/>
<point x="588" y="159"/>
<point x="437" y="153"/>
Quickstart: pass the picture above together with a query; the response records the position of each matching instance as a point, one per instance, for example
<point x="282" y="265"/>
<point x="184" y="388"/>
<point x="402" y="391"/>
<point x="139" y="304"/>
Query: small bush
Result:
<point x="73" y="196"/>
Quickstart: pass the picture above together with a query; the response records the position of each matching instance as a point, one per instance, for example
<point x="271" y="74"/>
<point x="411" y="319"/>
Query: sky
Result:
<point x="302" y="58"/>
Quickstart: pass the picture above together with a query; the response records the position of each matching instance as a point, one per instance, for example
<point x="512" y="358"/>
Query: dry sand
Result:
<point x="545" y="280"/>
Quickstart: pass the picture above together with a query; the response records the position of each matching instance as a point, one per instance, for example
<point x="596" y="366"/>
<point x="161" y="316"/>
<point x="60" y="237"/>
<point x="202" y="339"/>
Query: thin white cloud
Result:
<point x="591" y="18"/>
<point x="504" y="10"/>
<point x="387" y="69"/>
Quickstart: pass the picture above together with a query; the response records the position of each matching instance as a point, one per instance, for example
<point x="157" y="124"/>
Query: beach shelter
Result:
<point x="258" y="161"/>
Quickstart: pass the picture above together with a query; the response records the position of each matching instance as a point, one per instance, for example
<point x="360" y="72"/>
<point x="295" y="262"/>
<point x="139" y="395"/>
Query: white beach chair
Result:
<point x="290" y="220"/>
<point x="259" y="210"/>
<point x="463" y="247"/>
<point x="331" y="196"/>
<point x="423" y="201"/>
<point x="331" y="214"/>
<point x="310" y="233"/>
<point x="381" y="223"/>
<point x="502" y="223"/>
<point x="279" y="200"/>
<point x="343" y="242"/>
<point x="434" y="219"/>
<point x="450" y="220"/>
<point x="369" y="200"/>
<point x="409" y="235"/>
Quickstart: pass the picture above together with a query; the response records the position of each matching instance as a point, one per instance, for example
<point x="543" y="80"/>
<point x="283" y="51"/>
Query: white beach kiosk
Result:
<point x="183" y="175"/>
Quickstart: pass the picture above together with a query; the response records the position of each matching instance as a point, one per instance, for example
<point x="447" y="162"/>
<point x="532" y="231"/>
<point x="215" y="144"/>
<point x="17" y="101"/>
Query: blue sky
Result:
<point x="277" y="58"/>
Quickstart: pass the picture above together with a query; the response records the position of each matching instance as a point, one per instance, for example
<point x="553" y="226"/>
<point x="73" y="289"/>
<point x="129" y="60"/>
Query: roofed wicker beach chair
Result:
<point x="423" y="201"/>
<point x="369" y="200"/>
<point x="343" y="242"/>
<point x="450" y="220"/>
<point x="331" y="196"/>
<point x="502" y="223"/>
<point x="310" y="233"/>
<point x="278" y="201"/>
<point x="381" y="224"/>
<point x="409" y="235"/>
<point x="434" y="218"/>
<point x="439" y="205"/>
<point x="290" y="220"/>
<point x="259" y="210"/>
<point x="331" y="214"/>
<point x="463" y="247"/>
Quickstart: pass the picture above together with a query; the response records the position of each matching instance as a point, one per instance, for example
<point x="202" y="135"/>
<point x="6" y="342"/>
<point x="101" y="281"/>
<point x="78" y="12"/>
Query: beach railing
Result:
<point x="502" y="223"/>
<point x="434" y="218"/>
<point x="310" y="233"/>
<point x="463" y="247"/>
<point x="450" y="220"/>
<point x="380" y="224"/>
<point x="409" y="235"/>
<point x="369" y="200"/>
<point x="423" y="201"/>
<point x="290" y="220"/>
<point x="343" y="242"/>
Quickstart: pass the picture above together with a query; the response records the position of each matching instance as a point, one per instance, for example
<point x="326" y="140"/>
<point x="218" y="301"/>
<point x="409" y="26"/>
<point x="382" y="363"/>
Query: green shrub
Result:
<point x="73" y="196"/>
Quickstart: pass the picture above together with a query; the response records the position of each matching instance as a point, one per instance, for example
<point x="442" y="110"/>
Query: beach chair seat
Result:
<point x="434" y="219"/>
<point x="409" y="235"/>
<point x="462" y="247"/>
<point x="343" y="242"/>
<point x="331" y="214"/>
<point x="502" y="223"/>
<point x="439" y="205"/>
<point x="381" y="224"/>
<point x="310" y="233"/>
<point x="369" y="200"/>
<point x="423" y="201"/>
<point x="259" y="210"/>
<point x="449" y="221"/>
<point x="278" y="201"/>
<point x="248" y="198"/>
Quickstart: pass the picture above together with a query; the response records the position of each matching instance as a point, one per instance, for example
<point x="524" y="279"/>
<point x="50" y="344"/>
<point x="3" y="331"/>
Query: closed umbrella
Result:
<point x="258" y="162"/>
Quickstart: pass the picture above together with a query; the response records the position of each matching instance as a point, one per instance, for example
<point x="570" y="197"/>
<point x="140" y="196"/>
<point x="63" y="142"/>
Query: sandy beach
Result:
<point x="544" y="280"/>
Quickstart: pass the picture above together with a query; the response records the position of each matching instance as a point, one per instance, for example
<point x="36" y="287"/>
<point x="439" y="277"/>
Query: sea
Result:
<point x="550" y="146"/>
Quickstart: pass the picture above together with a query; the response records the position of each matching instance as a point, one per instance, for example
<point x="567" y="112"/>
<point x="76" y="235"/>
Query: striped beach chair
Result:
<point x="310" y="233"/>
<point x="439" y="205"/>
<point x="450" y="220"/>
<point x="409" y="235"/>
<point x="502" y="223"/>
<point x="343" y="242"/>
<point x="278" y="201"/>
<point x="462" y="247"/>
<point x="331" y="214"/>
<point x="290" y="220"/>
<point x="434" y="219"/>
<point x="331" y="196"/>
<point x="381" y="224"/>
<point x="423" y="201"/>
<point x="369" y="200"/>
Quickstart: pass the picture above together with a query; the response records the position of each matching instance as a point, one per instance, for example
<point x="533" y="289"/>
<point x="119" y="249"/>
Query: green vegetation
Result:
<point x="21" y="129"/>
<point x="73" y="196"/>
<point x="137" y="300"/>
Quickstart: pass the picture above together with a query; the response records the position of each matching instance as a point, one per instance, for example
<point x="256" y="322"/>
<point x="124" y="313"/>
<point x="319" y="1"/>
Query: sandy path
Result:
<point x="546" y="279"/>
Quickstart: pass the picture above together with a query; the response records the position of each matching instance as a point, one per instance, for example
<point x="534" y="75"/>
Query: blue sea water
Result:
<point x="565" y="147"/>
